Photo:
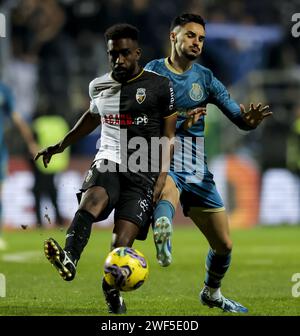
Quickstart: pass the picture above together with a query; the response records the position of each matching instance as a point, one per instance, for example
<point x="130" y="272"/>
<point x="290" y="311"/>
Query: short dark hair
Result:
<point x="183" y="19"/>
<point x="122" y="30"/>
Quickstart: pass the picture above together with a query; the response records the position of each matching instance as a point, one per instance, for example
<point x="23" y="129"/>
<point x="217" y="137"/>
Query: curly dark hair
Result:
<point x="121" y="30"/>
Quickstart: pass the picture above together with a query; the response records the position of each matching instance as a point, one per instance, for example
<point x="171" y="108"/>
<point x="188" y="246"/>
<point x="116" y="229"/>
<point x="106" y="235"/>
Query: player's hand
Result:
<point x="255" y="115"/>
<point x="47" y="153"/>
<point x="193" y="116"/>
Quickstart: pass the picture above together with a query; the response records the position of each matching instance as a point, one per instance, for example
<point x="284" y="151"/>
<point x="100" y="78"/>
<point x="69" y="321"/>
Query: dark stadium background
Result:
<point x="54" y="49"/>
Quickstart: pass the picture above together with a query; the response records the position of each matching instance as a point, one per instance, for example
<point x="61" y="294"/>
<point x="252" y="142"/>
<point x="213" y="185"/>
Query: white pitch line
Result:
<point x="22" y="257"/>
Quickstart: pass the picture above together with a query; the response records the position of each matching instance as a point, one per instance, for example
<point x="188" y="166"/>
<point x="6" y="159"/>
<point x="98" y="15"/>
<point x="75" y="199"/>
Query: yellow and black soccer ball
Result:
<point x="125" y="269"/>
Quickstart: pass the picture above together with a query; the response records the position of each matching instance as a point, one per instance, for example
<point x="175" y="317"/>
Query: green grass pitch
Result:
<point x="260" y="277"/>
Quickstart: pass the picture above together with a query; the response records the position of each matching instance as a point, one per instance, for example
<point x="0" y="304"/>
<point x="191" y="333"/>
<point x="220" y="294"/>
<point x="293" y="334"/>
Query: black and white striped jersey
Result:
<point x="131" y="110"/>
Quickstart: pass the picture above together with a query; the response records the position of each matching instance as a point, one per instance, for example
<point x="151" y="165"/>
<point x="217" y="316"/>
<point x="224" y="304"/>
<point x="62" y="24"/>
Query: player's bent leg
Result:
<point x="65" y="260"/>
<point x="94" y="201"/>
<point x="214" y="225"/>
<point x="124" y="234"/>
<point x="163" y="218"/>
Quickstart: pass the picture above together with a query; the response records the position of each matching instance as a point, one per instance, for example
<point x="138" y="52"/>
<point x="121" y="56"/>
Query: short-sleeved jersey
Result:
<point x="7" y="104"/>
<point x="136" y="108"/>
<point x="195" y="87"/>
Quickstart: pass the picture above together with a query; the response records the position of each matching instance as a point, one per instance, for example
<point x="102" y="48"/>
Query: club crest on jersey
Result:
<point x="140" y="95"/>
<point x="196" y="92"/>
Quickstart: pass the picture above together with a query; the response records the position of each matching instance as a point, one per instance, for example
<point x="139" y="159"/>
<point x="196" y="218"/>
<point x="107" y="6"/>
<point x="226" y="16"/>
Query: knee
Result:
<point x="224" y="247"/>
<point x="94" y="201"/>
<point x="170" y="194"/>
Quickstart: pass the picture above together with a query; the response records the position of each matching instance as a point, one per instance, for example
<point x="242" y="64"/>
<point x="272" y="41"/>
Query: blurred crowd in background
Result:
<point x="54" y="48"/>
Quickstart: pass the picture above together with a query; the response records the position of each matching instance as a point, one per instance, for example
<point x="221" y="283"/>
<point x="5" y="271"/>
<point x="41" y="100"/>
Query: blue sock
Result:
<point x="216" y="267"/>
<point x="164" y="208"/>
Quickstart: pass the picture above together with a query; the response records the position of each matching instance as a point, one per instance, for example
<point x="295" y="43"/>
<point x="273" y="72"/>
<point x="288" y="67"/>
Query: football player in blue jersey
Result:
<point x="195" y="86"/>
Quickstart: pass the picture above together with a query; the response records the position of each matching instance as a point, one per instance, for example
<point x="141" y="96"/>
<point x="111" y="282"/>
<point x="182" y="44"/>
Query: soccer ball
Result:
<point x="125" y="269"/>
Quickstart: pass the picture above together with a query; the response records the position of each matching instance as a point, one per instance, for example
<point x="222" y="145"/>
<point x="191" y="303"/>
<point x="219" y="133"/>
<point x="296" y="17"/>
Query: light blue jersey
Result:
<point x="195" y="87"/>
<point x="6" y="109"/>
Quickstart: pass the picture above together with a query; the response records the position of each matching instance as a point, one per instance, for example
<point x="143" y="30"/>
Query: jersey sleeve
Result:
<point x="220" y="97"/>
<point x="93" y="106"/>
<point x="150" y="66"/>
<point x="167" y="99"/>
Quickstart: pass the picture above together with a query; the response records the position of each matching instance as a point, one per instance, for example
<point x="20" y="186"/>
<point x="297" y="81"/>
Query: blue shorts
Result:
<point x="200" y="193"/>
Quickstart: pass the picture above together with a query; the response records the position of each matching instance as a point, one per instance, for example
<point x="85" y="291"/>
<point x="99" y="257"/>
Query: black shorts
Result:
<point x="130" y="194"/>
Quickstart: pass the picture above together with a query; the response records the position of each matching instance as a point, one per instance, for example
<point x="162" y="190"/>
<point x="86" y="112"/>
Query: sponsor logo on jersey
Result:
<point x="124" y="119"/>
<point x="142" y="120"/>
<point x="196" y="92"/>
<point x="140" y="95"/>
<point x="118" y="119"/>
<point x="172" y="99"/>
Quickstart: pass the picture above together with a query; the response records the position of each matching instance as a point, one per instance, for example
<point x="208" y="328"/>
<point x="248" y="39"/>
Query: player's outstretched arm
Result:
<point x="256" y="114"/>
<point x="47" y="153"/>
<point x="245" y="120"/>
<point x="84" y="126"/>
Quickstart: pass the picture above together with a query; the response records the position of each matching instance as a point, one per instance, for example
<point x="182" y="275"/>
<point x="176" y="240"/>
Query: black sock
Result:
<point x="106" y="286"/>
<point x="79" y="233"/>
